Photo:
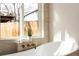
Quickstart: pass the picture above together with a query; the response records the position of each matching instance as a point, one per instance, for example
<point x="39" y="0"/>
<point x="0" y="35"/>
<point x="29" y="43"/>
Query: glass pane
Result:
<point x="6" y="8"/>
<point x="34" y="27"/>
<point x="30" y="18"/>
<point x="29" y="7"/>
<point x="9" y="28"/>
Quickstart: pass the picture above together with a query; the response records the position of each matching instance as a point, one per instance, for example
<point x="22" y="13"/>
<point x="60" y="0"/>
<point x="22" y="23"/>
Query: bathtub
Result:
<point x="50" y="49"/>
<point x="62" y="48"/>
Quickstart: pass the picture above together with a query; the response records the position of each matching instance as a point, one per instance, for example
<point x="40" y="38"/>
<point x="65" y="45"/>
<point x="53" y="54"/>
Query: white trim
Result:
<point x="41" y="20"/>
<point x="21" y="22"/>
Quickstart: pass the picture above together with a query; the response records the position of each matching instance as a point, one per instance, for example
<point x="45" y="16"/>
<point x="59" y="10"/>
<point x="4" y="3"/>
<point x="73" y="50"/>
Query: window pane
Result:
<point x="6" y="8"/>
<point x="29" y="7"/>
<point x="34" y="27"/>
<point x="31" y="17"/>
<point x="9" y="29"/>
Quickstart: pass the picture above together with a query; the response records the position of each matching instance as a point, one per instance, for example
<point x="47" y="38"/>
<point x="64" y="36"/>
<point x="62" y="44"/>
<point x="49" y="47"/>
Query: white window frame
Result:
<point x="41" y="22"/>
<point x="21" y="23"/>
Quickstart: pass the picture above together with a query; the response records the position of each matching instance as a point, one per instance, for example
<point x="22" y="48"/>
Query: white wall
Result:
<point x="64" y="21"/>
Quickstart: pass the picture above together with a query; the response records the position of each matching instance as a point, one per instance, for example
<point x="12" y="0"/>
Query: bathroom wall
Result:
<point x="64" y="21"/>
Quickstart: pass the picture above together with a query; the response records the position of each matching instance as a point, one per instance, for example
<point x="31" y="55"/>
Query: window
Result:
<point x="24" y="14"/>
<point x="33" y="14"/>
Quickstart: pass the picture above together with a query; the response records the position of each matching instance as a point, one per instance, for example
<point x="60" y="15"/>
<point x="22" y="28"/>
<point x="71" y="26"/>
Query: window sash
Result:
<point x="40" y="21"/>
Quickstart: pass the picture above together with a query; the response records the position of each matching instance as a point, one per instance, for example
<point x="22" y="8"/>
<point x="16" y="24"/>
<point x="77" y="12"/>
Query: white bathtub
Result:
<point x="50" y="49"/>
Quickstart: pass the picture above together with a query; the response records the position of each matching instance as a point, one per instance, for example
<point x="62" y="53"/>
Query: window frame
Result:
<point x="40" y="21"/>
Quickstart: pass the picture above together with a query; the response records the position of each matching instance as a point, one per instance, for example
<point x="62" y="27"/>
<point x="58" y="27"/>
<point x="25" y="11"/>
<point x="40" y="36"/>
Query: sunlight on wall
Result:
<point x="67" y="46"/>
<point x="68" y="38"/>
<point x="57" y="37"/>
<point x="56" y="16"/>
<point x="57" y="19"/>
<point x="57" y="27"/>
<point x="71" y="41"/>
